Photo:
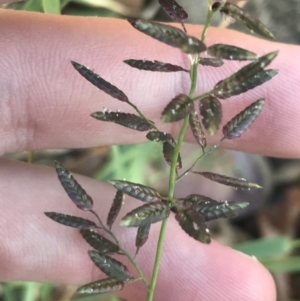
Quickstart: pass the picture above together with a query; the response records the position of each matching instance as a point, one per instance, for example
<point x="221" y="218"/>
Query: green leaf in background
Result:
<point x="128" y="162"/>
<point x="64" y="3"/>
<point x="103" y="8"/>
<point x="284" y="265"/>
<point x="266" y="247"/>
<point x="78" y="10"/>
<point x="33" y="5"/>
<point x="51" y="6"/>
<point x="273" y="253"/>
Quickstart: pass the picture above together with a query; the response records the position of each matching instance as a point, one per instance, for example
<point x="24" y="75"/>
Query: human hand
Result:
<point x="45" y="104"/>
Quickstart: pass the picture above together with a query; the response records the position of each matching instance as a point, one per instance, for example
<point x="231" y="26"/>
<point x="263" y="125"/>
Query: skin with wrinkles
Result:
<point x="46" y="90"/>
<point x="45" y="104"/>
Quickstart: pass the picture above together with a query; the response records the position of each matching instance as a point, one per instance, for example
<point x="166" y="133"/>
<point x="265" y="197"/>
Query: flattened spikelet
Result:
<point x="110" y="266"/>
<point x="168" y="145"/>
<point x="210" y="61"/>
<point x="229" y="52"/>
<point x="70" y="220"/>
<point x="211" y="112"/>
<point x="76" y="193"/>
<point x="158" y="136"/>
<point x="241" y="122"/>
<point x="197" y="130"/>
<point x="99" y="242"/>
<point x="174" y="10"/>
<point x="178" y="108"/>
<point x="211" y="209"/>
<point x="258" y="79"/>
<point x="147" y="214"/>
<point x="241" y="15"/>
<point x="99" y="82"/>
<point x="243" y="77"/>
<point x="229" y="181"/>
<point x="142" y="236"/>
<point x="131" y="121"/>
<point x="115" y="208"/>
<point x="168" y="150"/>
<point x="193" y="224"/>
<point x="138" y="191"/>
<point x="107" y="285"/>
<point x="169" y="35"/>
<point x="154" y="66"/>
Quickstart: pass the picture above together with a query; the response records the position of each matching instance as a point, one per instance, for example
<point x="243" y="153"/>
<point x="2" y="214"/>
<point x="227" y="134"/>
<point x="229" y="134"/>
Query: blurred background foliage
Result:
<point x="269" y="232"/>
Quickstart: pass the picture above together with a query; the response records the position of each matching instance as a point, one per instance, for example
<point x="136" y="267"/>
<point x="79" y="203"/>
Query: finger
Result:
<point x="35" y="248"/>
<point x="45" y="103"/>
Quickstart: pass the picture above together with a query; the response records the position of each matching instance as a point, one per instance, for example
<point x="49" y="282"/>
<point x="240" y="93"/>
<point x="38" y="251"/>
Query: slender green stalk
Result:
<point x="30" y="157"/>
<point x="136" y="266"/>
<point x="98" y="218"/>
<point x="142" y="115"/>
<point x="164" y="223"/>
<point x="208" y="20"/>
<point x="172" y="178"/>
<point x="200" y="157"/>
<point x="130" y="258"/>
<point x="132" y="280"/>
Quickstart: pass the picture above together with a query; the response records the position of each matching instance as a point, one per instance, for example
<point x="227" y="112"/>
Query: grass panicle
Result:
<point x="193" y="211"/>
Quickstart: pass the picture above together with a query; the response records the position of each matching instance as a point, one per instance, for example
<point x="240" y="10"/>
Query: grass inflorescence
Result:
<point x="192" y="211"/>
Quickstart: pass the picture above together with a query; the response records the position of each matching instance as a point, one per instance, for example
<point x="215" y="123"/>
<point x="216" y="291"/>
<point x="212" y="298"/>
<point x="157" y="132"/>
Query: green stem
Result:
<point x="98" y="218"/>
<point x="183" y="27"/>
<point x="136" y="266"/>
<point x="208" y="20"/>
<point x="203" y="95"/>
<point x="132" y="280"/>
<point x="30" y="157"/>
<point x="172" y="178"/>
<point x="172" y="181"/>
<point x="200" y="157"/>
<point x="130" y="258"/>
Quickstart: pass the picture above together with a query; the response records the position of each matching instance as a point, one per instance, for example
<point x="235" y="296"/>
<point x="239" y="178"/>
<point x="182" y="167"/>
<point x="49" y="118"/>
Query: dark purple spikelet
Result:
<point x="169" y="35"/>
<point x="174" y="10"/>
<point x="70" y="220"/>
<point x="197" y="130"/>
<point x="156" y="66"/>
<point x="115" y="208"/>
<point x="99" y="242"/>
<point x="142" y="236"/>
<point x="211" y="62"/>
<point x="238" y="183"/>
<point x="242" y="121"/>
<point x="178" y="108"/>
<point x="241" y="15"/>
<point x="229" y="52"/>
<point x="110" y="266"/>
<point x="158" y="136"/>
<point x="211" y="112"/>
<point x="135" y="190"/>
<point x="76" y="193"/>
<point x="147" y="214"/>
<point x="103" y="286"/>
<point x="168" y="151"/>
<point x="246" y="78"/>
<point x="193" y="224"/>
<point x="99" y="82"/>
<point x="128" y="120"/>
